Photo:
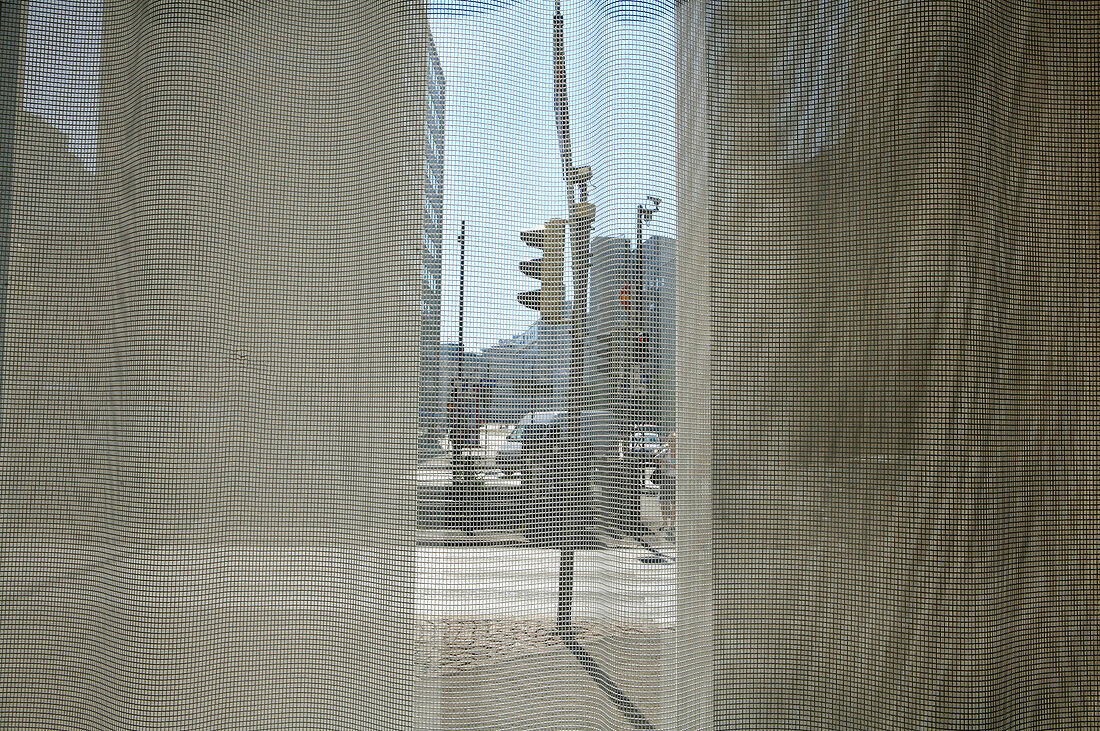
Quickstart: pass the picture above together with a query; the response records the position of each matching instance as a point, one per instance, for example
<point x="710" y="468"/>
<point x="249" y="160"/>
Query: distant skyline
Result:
<point x="61" y="69"/>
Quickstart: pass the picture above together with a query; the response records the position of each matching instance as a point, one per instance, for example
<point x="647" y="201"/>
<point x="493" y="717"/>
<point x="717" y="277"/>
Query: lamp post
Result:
<point x="464" y="427"/>
<point x="641" y="315"/>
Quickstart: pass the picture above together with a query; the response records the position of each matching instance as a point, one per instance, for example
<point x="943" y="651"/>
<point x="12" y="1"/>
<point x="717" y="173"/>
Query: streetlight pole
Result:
<point x="462" y="301"/>
<point x="641" y="314"/>
<point x="460" y="407"/>
<point x="581" y="215"/>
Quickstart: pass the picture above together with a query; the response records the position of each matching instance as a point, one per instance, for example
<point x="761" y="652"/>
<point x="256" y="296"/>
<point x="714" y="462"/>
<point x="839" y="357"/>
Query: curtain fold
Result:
<point x="209" y="384"/>
<point x="900" y="376"/>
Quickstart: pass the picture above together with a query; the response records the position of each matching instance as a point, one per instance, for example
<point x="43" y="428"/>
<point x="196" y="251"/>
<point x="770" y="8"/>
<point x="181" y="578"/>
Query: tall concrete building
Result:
<point x="526" y="372"/>
<point x="630" y="354"/>
<point x="659" y="323"/>
<point x="605" y="351"/>
<point x="431" y="385"/>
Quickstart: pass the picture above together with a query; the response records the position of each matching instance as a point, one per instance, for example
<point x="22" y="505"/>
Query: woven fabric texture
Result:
<point x="589" y="365"/>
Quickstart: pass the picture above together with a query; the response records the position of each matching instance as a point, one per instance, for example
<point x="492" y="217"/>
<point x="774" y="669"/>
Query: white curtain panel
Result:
<point x="804" y="438"/>
<point x="210" y="373"/>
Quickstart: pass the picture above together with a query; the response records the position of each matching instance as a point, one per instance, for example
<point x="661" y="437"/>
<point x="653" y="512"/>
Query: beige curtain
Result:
<point x="894" y="450"/>
<point x="210" y="373"/>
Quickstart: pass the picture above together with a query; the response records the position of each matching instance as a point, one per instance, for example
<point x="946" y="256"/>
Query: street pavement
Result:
<point x="491" y="659"/>
<point x="516" y="582"/>
<point x="486" y="603"/>
<point x="493" y="573"/>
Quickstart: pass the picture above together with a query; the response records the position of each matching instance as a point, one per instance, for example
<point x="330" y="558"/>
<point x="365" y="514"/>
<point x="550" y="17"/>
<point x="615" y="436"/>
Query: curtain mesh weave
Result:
<point x="780" y="413"/>
<point x="209" y="362"/>
<point x="901" y="217"/>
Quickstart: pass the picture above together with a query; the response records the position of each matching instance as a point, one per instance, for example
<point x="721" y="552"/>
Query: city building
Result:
<point x="528" y="372"/>
<point x="630" y="353"/>
<point x="431" y="384"/>
<point x="523" y="373"/>
<point x="659" y="302"/>
<point x="608" y="319"/>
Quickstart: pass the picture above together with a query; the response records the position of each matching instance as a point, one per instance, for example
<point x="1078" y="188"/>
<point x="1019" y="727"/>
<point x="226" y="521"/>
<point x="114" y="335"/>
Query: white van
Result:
<point x="597" y="430"/>
<point x="510" y="458"/>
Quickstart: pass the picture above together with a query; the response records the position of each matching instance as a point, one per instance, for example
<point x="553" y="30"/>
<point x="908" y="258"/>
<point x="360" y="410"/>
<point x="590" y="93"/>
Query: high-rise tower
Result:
<point x="431" y="386"/>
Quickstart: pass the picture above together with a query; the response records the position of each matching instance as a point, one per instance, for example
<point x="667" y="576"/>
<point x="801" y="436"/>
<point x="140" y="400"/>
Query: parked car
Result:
<point x="510" y="458"/>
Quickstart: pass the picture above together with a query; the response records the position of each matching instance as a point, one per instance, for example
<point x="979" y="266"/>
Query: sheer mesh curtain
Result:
<point x="209" y="384"/>
<point x="899" y="208"/>
<point x="886" y="379"/>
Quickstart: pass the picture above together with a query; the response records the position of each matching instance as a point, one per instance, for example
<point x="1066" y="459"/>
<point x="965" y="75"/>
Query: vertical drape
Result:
<point x="210" y="376"/>
<point x="899" y="217"/>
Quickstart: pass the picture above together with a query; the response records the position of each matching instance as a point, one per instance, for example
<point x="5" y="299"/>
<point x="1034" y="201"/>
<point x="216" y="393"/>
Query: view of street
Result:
<point x="546" y="555"/>
<point x="487" y="604"/>
<point x="487" y="582"/>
